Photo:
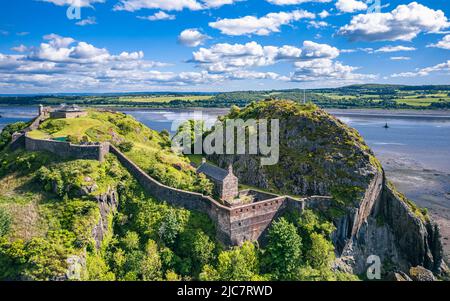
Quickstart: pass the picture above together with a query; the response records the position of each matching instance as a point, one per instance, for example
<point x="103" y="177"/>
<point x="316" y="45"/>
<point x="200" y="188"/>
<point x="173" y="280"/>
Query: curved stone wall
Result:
<point x="68" y="150"/>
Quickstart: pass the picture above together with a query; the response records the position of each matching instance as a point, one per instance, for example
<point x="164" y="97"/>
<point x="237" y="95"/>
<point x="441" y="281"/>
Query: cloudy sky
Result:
<point x="220" y="45"/>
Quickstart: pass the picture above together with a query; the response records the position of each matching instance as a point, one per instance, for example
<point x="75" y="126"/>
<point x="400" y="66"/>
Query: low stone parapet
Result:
<point x="67" y="149"/>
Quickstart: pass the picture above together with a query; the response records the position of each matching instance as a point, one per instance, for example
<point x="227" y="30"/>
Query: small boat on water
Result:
<point x="386" y="126"/>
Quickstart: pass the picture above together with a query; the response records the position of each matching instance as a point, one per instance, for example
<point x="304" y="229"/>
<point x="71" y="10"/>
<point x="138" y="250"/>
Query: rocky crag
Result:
<point x="321" y="155"/>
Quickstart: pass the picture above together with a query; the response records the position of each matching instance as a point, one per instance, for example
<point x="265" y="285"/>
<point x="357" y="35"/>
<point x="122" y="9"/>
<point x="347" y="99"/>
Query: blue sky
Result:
<point x="220" y="45"/>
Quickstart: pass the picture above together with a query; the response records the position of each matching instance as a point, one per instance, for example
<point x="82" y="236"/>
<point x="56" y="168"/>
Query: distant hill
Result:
<point x="353" y="96"/>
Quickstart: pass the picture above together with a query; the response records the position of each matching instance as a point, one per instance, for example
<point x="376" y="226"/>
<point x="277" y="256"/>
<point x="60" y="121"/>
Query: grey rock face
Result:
<point x="389" y="229"/>
<point x="108" y="204"/>
<point x="420" y="273"/>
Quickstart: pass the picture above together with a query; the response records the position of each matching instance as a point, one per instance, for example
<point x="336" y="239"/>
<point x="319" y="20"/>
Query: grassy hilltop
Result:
<point x="146" y="147"/>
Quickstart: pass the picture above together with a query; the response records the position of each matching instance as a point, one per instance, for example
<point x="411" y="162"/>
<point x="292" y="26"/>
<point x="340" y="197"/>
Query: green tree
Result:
<point x="97" y="269"/>
<point x="237" y="264"/>
<point x="309" y="222"/>
<point x="170" y="227"/>
<point x="284" y="250"/>
<point x="321" y="254"/>
<point x="130" y="241"/>
<point x="172" y="276"/>
<point x="197" y="246"/>
<point x="151" y="265"/>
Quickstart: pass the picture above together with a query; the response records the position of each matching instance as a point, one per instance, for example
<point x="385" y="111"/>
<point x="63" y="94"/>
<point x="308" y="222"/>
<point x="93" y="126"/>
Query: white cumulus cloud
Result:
<point x="403" y="23"/>
<point x="158" y="16"/>
<point x="312" y="62"/>
<point x="395" y="49"/>
<point x="326" y="69"/>
<point x="169" y="5"/>
<point x="231" y="57"/>
<point x="20" y="48"/>
<point x="192" y="37"/>
<point x="400" y="58"/>
<point x="444" y="43"/>
<point x="259" y="26"/>
<point x="294" y="2"/>
<point x="425" y="71"/>
<point x="76" y="3"/>
<point x="88" y="21"/>
<point x="350" y="6"/>
<point x="323" y="14"/>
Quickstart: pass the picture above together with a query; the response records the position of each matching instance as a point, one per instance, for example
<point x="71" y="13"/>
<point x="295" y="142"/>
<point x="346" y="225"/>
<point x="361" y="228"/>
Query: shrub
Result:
<point x="126" y="146"/>
<point x="73" y="139"/>
<point x="6" y="134"/>
<point x="53" y="126"/>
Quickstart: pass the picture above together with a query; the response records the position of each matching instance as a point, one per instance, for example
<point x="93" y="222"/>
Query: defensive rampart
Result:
<point x="68" y="150"/>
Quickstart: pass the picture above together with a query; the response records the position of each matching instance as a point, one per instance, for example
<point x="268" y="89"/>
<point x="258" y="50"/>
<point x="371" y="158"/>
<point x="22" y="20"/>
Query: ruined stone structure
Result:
<point x="96" y="151"/>
<point x="226" y="184"/>
<point x="65" y="111"/>
<point x="235" y="222"/>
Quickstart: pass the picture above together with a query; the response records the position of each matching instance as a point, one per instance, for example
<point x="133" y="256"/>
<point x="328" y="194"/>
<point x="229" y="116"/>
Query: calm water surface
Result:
<point x="425" y="139"/>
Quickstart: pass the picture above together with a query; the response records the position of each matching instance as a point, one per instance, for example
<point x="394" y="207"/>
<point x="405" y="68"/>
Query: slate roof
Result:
<point x="213" y="171"/>
<point x="69" y="108"/>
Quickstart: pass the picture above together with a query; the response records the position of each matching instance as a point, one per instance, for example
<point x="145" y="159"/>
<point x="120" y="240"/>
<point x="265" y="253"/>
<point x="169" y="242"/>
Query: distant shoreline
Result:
<point x="351" y="112"/>
<point x="398" y="113"/>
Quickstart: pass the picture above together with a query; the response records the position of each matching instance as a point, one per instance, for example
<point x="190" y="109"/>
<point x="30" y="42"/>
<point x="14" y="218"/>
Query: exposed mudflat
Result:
<point x="427" y="188"/>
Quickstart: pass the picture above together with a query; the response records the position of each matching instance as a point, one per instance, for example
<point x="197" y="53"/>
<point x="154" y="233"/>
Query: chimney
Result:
<point x="230" y="169"/>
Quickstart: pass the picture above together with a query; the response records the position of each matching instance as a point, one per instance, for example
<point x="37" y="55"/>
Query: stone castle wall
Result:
<point x="219" y="213"/>
<point x="234" y="225"/>
<point x="66" y="149"/>
<point x="58" y="114"/>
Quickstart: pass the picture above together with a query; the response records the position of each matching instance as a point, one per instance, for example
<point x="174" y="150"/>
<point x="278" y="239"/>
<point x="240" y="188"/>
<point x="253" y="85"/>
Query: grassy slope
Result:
<point x="50" y="220"/>
<point x="151" y="151"/>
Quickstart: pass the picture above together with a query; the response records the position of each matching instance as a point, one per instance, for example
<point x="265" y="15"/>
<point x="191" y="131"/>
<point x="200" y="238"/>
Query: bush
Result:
<point x="6" y="134"/>
<point x="125" y="146"/>
<point x="73" y="139"/>
<point x="53" y="126"/>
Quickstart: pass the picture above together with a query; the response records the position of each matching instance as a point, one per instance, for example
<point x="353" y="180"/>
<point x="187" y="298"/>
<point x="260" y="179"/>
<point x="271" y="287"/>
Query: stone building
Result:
<point x="66" y="111"/>
<point x="226" y="184"/>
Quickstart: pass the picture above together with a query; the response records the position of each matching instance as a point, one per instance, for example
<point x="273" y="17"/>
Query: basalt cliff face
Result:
<point x="320" y="155"/>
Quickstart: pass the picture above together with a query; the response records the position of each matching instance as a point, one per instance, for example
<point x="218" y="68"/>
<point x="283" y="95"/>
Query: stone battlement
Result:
<point x="234" y="225"/>
<point x="67" y="149"/>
